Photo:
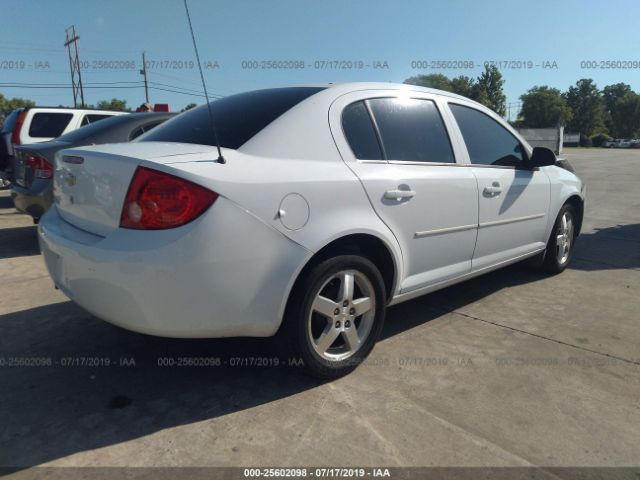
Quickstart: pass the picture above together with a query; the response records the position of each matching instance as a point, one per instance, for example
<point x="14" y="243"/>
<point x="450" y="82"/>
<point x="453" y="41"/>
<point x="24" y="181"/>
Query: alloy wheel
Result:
<point x="342" y="315"/>
<point x="564" y="238"/>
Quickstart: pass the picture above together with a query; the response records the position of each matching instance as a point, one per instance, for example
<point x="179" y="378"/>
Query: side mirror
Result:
<point x="542" y="157"/>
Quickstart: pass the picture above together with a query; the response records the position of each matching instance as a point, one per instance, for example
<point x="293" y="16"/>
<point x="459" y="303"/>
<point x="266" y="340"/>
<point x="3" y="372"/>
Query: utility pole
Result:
<point x="143" y="72"/>
<point x="74" y="65"/>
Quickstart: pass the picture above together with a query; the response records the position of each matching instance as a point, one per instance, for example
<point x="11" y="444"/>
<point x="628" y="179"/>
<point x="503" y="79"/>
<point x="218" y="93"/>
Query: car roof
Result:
<point x="79" y="109"/>
<point x="151" y="114"/>
<point x="312" y="139"/>
<point x="346" y="87"/>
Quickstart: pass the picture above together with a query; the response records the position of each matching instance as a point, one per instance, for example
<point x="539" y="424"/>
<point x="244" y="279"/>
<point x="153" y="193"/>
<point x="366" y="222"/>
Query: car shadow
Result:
<point x="606" y="248"/>
<point x="77" y="383"/>
<point x="106" y="385"/>
<point x="19" y="242"/>
<point x="6" y="202"/>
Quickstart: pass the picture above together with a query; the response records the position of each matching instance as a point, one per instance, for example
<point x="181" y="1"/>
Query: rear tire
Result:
<point x="334" y="316"/>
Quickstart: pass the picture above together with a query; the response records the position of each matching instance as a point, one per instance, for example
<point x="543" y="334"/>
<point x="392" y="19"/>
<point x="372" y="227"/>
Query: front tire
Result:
<point x="335" y="315"/>
<point x="559" y="249"/>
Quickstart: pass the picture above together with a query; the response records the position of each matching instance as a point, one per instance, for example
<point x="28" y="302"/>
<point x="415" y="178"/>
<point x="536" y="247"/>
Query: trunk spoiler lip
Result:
<point x="156" y="150"/>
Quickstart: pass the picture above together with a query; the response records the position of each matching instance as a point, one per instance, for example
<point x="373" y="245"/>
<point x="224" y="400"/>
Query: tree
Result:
<point x="544" y="107"/>
<point x="189" y="106"/>
<point x="489" y="90"/>
<point x="463" y="85"/>
<point x="585" y="101"/>
<point x="113" y="104"/>
<point x="435" y="80"/>
<point x="625" y="115"/>
<point x="8" y="105"/>
<point x="610" y="96"/>
<point x="611" y="93"/>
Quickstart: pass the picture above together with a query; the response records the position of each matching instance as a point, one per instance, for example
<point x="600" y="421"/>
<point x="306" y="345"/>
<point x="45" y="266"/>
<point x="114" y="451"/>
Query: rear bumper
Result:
<point x="33" y="201"/>
<point x="225" y="274"/>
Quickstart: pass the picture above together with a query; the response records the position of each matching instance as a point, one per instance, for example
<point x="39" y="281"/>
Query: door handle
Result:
<point x="398" y="195"/>
<point x="493" y="189"/>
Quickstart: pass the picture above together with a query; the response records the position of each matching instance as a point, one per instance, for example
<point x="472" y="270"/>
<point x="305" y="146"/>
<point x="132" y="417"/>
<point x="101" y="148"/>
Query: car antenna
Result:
<point x="204" y="86"/>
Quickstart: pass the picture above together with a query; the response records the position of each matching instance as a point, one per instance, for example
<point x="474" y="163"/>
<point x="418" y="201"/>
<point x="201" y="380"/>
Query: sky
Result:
<point x="310" y="41"/>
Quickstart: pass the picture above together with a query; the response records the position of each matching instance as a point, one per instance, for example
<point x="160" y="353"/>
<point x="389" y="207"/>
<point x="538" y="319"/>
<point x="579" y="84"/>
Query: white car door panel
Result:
<point x="513" y="200"/>
<point x="426" y="199"/>
<point x="513" y="209"/>
<point x="436" y="227"/>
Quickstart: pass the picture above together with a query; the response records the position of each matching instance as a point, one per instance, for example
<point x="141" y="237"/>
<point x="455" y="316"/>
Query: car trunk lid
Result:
<point x="29" y="162"/>
<point x="90" y="183"/>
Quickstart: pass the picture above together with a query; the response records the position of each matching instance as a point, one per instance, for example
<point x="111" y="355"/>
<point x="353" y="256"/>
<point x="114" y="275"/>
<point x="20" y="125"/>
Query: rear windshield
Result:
<point x="237" y="118"/>
<point x="46" y="124"/>
<point x="10" y="121"/>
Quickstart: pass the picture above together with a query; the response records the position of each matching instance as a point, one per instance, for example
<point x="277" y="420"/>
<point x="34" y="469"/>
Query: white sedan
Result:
<point x="329" y="204"/>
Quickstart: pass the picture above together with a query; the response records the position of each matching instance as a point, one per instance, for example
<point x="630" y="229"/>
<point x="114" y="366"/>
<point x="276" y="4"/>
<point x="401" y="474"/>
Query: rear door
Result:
<point x="399" y="148"/>
<point x="513" y="197"/>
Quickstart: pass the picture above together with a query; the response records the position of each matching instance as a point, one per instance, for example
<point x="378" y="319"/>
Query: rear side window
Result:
<point x="412" y="130"/>
<point x="91" y="118"/>
<point x="237" y="117"/>
<point x="488" y="142"/>
<point x="358" y="129"/>
<point x="47" y="124"/>
<point x="144" y="128"/>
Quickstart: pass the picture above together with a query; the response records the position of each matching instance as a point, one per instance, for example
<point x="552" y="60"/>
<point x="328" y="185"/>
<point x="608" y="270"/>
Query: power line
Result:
<point x="186" y="89"/>
<point x="3" y="85"/>
<point x="176" y="91"/>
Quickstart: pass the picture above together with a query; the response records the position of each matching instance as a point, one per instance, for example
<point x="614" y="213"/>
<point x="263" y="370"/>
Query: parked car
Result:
<point x="6" y="147"/>
<point x="24" y="126"/>
<point x="328" y="204"/>
<point x="609" y="144"/>
<point x="622" y="143"/>
<point x="32" y="189"/>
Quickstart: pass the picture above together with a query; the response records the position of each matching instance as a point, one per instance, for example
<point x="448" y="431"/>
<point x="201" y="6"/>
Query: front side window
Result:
<point x="488" y="142"/>
<point x="47" y="124"/>
<point x="358" y="129"/>
<point x="411" y="130"/>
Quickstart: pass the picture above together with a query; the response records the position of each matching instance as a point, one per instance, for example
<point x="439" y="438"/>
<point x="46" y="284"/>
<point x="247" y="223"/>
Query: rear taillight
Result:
<point x="15" y="134"/>
<point x="41" y="168"/>
<point x="157" y="200"/>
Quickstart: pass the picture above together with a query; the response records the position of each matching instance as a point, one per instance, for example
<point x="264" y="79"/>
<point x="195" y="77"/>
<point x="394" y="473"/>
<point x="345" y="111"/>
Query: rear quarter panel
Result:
<point x="337" y="203"/>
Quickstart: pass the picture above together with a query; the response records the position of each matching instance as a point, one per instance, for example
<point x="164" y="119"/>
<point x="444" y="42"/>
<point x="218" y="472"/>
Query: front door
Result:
<point x="513" y="199"/>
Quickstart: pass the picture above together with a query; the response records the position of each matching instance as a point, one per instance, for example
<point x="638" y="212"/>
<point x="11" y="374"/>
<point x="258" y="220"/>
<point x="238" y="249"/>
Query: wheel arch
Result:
<point x="578" y="204"/>
<point x="367" y="245"/>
